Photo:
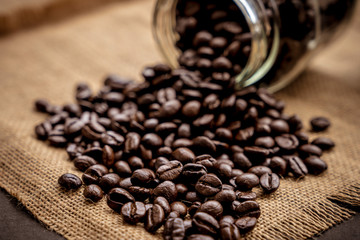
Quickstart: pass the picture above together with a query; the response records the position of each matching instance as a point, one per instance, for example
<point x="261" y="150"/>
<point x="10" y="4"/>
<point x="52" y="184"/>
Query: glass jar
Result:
<point x="279" y="38"/>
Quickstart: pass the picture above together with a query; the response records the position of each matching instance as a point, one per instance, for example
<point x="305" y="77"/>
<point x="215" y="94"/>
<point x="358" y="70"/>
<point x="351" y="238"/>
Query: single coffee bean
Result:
<point x="164" y="204"/>
<point x="169" y="171"/>
<point x="93" y="192"/>
<point x="132" y="142"/>
<point x="205" y="223"/>
<point x="296" y="166"/>
<point x="125" y="183"/>
<point x="266" y="142"/>
<point x="269" y="182"/>
<point x="307" y="150"/>
<point x="245" y="196"/>
<point x="207" y="161"/>
<point x="135" y="163"/>
<point x="315" y="165"/>
<point x="278" y="165"/>
<point x="247" y="181"/>
<point x="203" y="144"/>
<point x="69" y="181"/>
<point x="287" y="142"/>
<point x="174" y="229"/>
<point x="109" y="181"/>
<point x="152" y="140"/>
<point x="84" y="162"/>
<point x="140" y="193"/>
<point x="241" y="161"/>
<point x="279" y="126"/>
<point x="154" y="219"/>
<point x="184" y="155"/>
<point x="112" y="139"/>
<point x="319" y="124"/>
<point x="108" y="156"/>
<point x="142" y="177"/>
<point x="94" y="152"/>
<point x="117" y="197"/>
<point x="208" y="185"/>
<point x="133" y="212"/>
<point x="323" y="143"/>
<point x="259" y="170"/>
<point x="229" y="231"/>
<point x="212" y="207"/>
<point x="225" y="196"/>
<point x="180" y="208"/>
<point x="193" y="171"/>
<point x="93" y="174"/>
<point x="167" y="190"/>
<point x="246" y="224"/>
<point x="200" y="237"/>
<point x="123" y="169"/>
<point x="43" y="130"/>
<point x="248" y="208"/>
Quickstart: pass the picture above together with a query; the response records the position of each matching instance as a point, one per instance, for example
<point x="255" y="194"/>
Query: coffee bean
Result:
<point x="135" y="162"/>
<point x="142" y="177"/>
<point x="174" y="229"/>
<point x="155" y="217"/>
<point x="269" y="182"/>
<point x="315" y="165"/>
<point x="278" y="165"/>
<point x="84" y="162"/>
<point x="43" y="130"/>
<point x="69" y="181"/>
<point x="200" y="237"/>
<point x="266" y="142"/>
<point x="108" y="156"/>
<point x="245" y="196"/>
<point x="167" y="190"/>
<point x="132" y="142"/>
<point x="246" y="224"/>
<point x="259" y="170"/>
<point x="308" y="150"/>
<point x="212" y="207"/>
<point x="93" y="174"/>
<point x="296" y="166"/>
<point x="193" y="171"/>
<point x="229" y="231"/>
<point x="93" y="192"/>
<point x="184" y="155"/>
<point x="208" y="185"/>
<point x="94" y="152"/>
<point x="287" y="142"/>
<point x="169" y="171"/>
<point x="205" y="223"/>
<point x="133" y="212"/>
<point x="123" y="169"/>
<point x="164" y="204"/>
<point x="152" y="140"/>
<point x="203" y="144"/>
<point x="112" y="139"/>
<point x="319" y="124"/>
<point x="279" y="126"/>
<point x="247" y="181"/>
<point x="180" y="208"/>
<point x="323" y="143"/>
<point x="117" y="197"/>
<point x="248" y="208"/>
<point x="109" y="181"/>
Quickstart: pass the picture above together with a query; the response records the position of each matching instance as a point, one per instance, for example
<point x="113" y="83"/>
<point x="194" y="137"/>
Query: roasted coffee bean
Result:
<point x="296" y="166"/>
<point x="278" y="165"/>
<point x="323" y="143"/>
<point x="200" y="237"/>
<point x="135" y="162"/>
<point x="246" y="224"/>
<point x="248" y="208"/>
<point x="193" y="197"/>
<point x="245" y="196"/>
<point x="108" y="156"/>
<point x="164" y="204"/>
<point x="152" y="140"/>
<point x="279" y="126"/>
<point x="287" y="142"/>
<point x="125" y="183"/>
<point x="74" y="151"/>
<point x="132" y="142"/>
<point x="169" y="171"/>
<point x="205" y="223"/>
<point x="84" y="162"/>
<point x="112" y="139"/>
<point x="319" y="124"/>
<point x="315" y="165"/>
<point x="269" y="182"/>
<point x="309" y="150"/>
<point x="174" y="229"/>
<point x="133" y="212"/>
<point x="184" y="155"/>
<point x="93" y="130"/>
<point x="224" y="170"/>
<point x="212" y="207"/>
<point x="207" y="161"/>
<point x="142" y="177"/>
<point x="256" y="154"/>
<point x="241" y="161"/>
<point x="155" y="217"/>
<point x="73" y="126"/>
<point x="140" y="193"/>
<point x="266" y="142"/>
<point x="69" y="181"/>
<point x="94" y="173"/>
<point x="93" y="192"/>
<point x="117" y="197"/>
<point x="182" y="189"/>
<point x="94" y="152"/>
<point x="225" y="196"/>
<point x="247" y="181"/>
<point x="167" y="190"/>
<point x="203" y="144"/>
<point x="193" y="171"/>
<point x="208" y="185"/>
<point x="180" y="208"/>
<point x="109" y="181"/>
<point x="259" y="170"/>
<point x="123" y="169"/>
<point x="160" y="161"/>
<point x="229" y="231"/>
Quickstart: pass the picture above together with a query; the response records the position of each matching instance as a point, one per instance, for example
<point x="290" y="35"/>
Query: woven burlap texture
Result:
<point x="48" y="61"/>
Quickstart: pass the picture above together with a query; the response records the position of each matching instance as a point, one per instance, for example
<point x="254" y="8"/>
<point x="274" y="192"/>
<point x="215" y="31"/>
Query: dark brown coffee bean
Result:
<point x="193" y="171"/>
<point x="109" y="181"/>
<point x="164" y="204"/>
<point x="193" y="197"/>
<point x="269" y="182"/>
<point x="223" y="170"/>
<point x="142" y="177"/>
<point x="191" y="109"/>
<point x="112" y="139"/>
<point x="247" y="181"/>
<point x="93" y="192"/>
<point x="84" y="162"/>
<point x="180" y="208"/>
<point x="125" y="183"/>
<point x="208" y="185"/>
<point x="229" y="231"/>
<point x="248" y="208"/>
<point x="93" y="130"/>
<point x="315" y="165"/>
<point x="296" y="166"/>
<point x="266" y="142"/>
<point x="202" y="37"/>
<point x="135" y="163"/>
<point x="204" y="145"/>
<point x="166" y="127"/>
<point x="200" y="237"/>
<point x="152" y="140"/>
<point x="108" y="156"/>
<point x="41" y="105"/>
<point x="42" y="130"/>
<point x="223" y="134"/>
<point x="207" y="161"/>
<point x="184" y="131"/>
<point x="278" y="165"/>
<point x="212" y="207"/>
<point x="259" y="170"/>
<point x="245" y="134"/>
<point x="154" y="219"/>
<point x="256" y="154"/>
<point x="167" y="190"/>
<point x="205" y="223"/>
<point x="279" y="126"/>
<point x="323" y="143"/>
<point x="307" y="150"/>
<point x="69" y="181"/>
<point x="94" y="152"/>
<point x="241" y="161"/>
<point x="184" y="155"/>
<point x="246" y="224"/>
<point x="140" y="193"/>
<point x="123" y="169"/>
<point x="94" y="173"/>
<point x="245" y="196"/>
<point x="169" y="171"/>
<point x="73" y="126"/>
<point x="132" y="142"/>
<point x="117" y="197"/>
<point x="319" y="124"/>
<point x="133" y="212"/>
<point x="174" y="229"/>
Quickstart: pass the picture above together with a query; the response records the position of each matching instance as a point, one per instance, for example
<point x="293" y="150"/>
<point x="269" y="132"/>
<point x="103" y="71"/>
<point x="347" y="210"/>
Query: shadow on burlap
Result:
<point x="48" y="61"/>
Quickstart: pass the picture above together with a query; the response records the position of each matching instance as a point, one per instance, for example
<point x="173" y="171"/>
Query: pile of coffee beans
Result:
<point x="179" y="151"/>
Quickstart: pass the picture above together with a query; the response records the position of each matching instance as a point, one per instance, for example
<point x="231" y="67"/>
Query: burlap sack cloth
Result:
<point x="47" y="62"/>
